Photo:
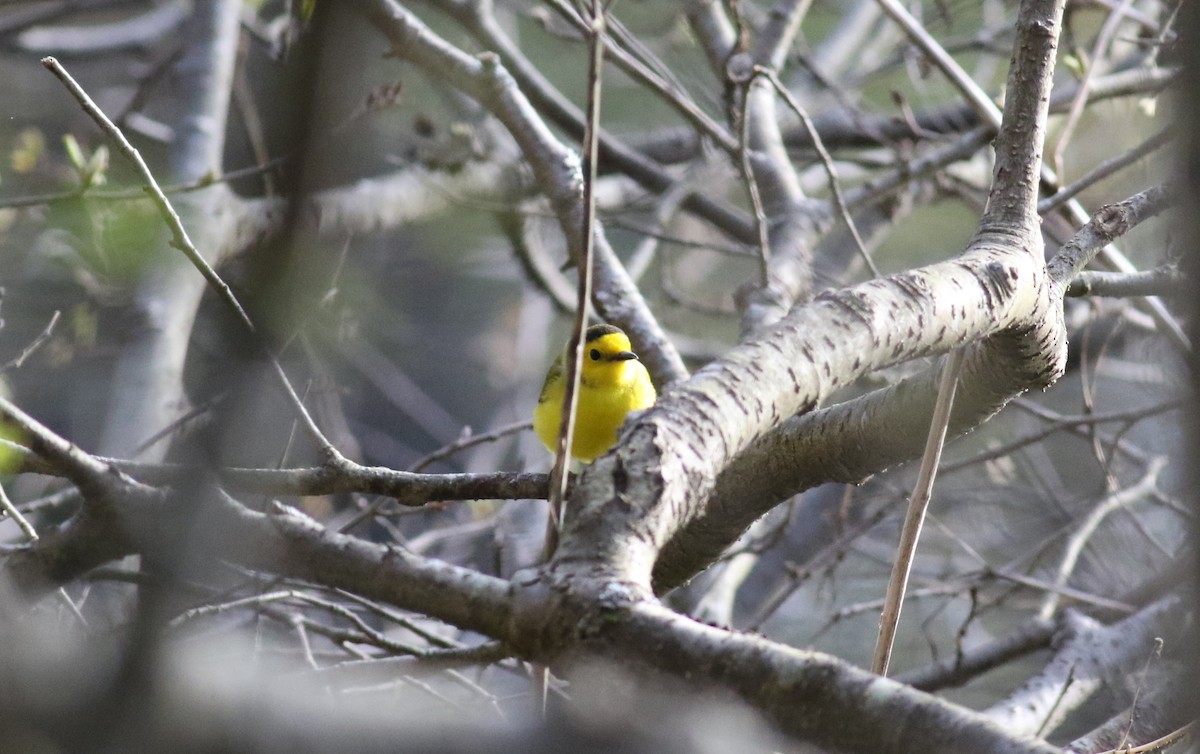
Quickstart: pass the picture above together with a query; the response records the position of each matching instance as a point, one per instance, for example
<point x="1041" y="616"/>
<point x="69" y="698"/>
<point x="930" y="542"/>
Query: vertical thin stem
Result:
<point x="747" y="167"/>
<point x="915" y="518"/>
<point x="574" y="361"/>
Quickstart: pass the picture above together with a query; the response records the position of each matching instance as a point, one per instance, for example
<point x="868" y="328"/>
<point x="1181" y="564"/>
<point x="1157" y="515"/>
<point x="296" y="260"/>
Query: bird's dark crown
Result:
<point x="595" y="332"/>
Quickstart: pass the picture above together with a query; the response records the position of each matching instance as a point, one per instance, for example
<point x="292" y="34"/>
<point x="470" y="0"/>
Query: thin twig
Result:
<point x="1080" y="538"/>
<point x="29" y="350"/>
<point x="651" y="73"/>
<point x="1062" y="693"/>
<point x="23" y="523"/>
<point x="1103" y="40"/>
<point x="975" y="96"/>
<point x="1137" y="693"/>
<point x="826" y="160"/>
<point x="1105" y="169"/>
<point x="574" y="360"/>
<point x="559" y="476"/>
<point x="745" y="164"/>
<point x="468" y="441"/>
<point x="1157" y="744"/>
<point x="223" y="607"/>
<point x="114" y="195"/>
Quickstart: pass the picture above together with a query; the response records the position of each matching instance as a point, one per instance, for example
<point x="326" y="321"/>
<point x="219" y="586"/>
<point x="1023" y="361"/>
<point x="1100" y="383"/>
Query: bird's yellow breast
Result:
<point x="606" y="396"/>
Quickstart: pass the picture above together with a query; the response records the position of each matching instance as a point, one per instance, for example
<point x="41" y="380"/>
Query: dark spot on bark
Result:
<point x="1000" y="278"/>
<point x="620" y="477"/>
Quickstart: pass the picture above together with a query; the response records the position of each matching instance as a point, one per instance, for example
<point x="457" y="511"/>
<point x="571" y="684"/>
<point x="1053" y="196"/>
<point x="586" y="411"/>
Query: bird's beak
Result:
<point x="624" y="356"/>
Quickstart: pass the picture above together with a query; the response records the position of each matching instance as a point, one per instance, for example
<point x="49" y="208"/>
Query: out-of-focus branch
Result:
<point x="841" y="129"/>
<point x="136" y="32"/>
<point x="1031" y="636"/>
<point x="1105" y="169"/>
<point x="406" y="488"/>
<point x="556" y="170"/>
<point x="679" y="100"/>
<point x="182" y="242"/>
<point x="148" y="383"/>
<point x="1079" y="538"/>
<point x="1082" y="663"/>
<point x="791" y="219"/>
<point x="1162" y="281"/>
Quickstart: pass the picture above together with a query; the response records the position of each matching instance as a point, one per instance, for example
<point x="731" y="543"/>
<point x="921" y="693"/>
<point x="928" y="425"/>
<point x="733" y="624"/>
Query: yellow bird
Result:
<point x="612" y="384"/>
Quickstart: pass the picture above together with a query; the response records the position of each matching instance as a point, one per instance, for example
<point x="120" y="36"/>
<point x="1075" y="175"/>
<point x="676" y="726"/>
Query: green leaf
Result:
<point x="10" y="458"/>
<point x="97" y="165"/>
<point x="74" y="152"/>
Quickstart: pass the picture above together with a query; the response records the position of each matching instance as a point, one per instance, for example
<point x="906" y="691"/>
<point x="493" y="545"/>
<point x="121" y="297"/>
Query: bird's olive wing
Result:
<point x="554" y="375"/>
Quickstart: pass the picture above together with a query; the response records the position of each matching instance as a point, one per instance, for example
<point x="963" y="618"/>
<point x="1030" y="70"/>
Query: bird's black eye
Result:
<point x="595" y="354"/>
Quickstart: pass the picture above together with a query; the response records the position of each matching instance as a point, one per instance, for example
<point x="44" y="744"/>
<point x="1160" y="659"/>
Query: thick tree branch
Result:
<point x="769" y="379"/>
<point x="670" y="457"/>
<point x="845" y="442"/>
<point x="1021" y="140"/>
<point x="800" y="690"/>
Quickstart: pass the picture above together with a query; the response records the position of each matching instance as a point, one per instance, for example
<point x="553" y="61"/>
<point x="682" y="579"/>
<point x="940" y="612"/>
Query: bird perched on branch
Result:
<point x="612" y="383"/>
